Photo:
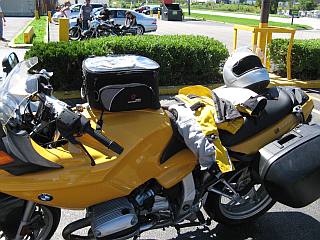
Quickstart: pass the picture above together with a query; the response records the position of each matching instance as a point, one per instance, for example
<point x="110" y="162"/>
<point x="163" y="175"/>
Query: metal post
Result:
<point x="49" y="17"/>
<point x="189" y="11"/>
<point x="235" y="38"/>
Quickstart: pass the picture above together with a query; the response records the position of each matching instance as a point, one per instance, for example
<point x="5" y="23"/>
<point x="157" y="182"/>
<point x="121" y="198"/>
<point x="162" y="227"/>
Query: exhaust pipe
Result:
<point x="74" y="226"/>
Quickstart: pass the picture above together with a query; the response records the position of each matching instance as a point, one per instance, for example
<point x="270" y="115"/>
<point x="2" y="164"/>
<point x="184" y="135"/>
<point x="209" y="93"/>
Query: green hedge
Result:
<point x="183" y="59"/>
<point x="305" y="60"/>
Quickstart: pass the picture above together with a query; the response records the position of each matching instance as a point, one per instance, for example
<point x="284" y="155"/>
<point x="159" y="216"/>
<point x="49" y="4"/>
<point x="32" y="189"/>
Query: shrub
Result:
<point x="64" y="59"/>
<point x="182" y="59"/>
<point x="305" y="60"/>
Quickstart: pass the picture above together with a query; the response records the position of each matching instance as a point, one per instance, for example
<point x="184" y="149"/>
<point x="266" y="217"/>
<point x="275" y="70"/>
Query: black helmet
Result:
<point x="244" y="69"/>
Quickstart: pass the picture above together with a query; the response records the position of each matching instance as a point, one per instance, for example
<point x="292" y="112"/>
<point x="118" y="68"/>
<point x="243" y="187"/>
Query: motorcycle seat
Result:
<point x="279" y="105"/>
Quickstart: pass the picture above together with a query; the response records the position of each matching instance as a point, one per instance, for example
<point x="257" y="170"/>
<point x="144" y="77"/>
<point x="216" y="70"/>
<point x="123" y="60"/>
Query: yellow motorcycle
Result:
<point x="55" y="156"/>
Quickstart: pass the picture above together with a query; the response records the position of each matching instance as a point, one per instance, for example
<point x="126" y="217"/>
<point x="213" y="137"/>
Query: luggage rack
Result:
<point x="263" y="35"/>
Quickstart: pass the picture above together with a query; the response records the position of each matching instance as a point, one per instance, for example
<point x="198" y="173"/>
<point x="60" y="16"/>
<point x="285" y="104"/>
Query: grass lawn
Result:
<point x="185" y="10"/>
<point x="39" y="26"/>
<point x="245" y="21"/>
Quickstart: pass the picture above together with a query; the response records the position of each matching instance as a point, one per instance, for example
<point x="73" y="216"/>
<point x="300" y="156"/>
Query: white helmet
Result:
<point x="244" y="69"/>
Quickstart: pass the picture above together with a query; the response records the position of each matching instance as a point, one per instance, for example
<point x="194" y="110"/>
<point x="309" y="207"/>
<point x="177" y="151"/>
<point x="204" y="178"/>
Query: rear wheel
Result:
<point x="254" y="201"/>
<point x="45" y="221"/>
<point x="140" y="30"/>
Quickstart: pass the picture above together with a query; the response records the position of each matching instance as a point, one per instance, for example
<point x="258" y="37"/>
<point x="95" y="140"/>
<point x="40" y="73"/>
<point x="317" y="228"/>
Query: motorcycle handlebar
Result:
<point x="70" y="123"/>
<point x="112" y="145"/>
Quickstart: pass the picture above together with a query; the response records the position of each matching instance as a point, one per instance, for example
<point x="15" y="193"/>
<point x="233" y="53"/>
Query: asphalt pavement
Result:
<point x="221" y="31"/>
<point x="13" y="26"/>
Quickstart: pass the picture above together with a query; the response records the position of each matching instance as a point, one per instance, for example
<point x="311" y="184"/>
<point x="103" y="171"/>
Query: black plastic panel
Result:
<point x="290" y="167"/>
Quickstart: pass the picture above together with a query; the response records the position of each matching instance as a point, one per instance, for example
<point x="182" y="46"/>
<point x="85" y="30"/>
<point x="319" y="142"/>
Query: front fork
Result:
<point x="29" y="209"/>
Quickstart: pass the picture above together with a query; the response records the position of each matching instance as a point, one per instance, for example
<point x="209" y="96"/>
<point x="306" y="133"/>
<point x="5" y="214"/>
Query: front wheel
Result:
<point x="254" y="201"/>
<point x="46" y="220"/>
<point x="74" y="33"/>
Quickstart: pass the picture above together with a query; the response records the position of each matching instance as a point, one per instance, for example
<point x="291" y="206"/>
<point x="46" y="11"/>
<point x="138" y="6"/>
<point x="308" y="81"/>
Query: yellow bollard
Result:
<point x="159" y="14"/>
<point x="151" y="13"/>
<point x="36" y="14"/>
<point x="262" y="40"/>
<point x="49" y="16"/>
<point x="63" y="29"/>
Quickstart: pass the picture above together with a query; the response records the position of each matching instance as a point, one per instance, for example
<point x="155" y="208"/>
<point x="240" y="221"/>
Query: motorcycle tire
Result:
<point x="50" y="216"/>
<point x="74" y="34"/>
<point x="255" y="202"/>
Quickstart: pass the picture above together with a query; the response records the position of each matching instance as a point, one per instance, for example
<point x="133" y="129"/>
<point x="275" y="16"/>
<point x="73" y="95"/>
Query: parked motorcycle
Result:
<point x="55" y="156"/>
<point x="99" y="28"/>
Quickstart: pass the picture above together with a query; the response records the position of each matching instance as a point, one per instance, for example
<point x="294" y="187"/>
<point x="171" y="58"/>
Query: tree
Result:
<point x="274" y="6"/>
<point x="307" y="5"/>
<point x="258" y="3"/>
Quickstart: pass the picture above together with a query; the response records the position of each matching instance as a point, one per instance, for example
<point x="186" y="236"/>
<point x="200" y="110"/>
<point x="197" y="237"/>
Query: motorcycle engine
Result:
<point x="152" y="203"/>
<point x="114" y="219"/>
<point x="118" y="218"/>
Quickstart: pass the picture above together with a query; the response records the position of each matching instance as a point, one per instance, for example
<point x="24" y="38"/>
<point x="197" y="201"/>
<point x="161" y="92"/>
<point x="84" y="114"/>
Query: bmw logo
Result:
<point x="45" y="197"/>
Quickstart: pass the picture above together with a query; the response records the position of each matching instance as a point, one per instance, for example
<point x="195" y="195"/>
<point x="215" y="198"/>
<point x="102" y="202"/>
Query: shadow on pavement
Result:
<point x="274" y="225"/>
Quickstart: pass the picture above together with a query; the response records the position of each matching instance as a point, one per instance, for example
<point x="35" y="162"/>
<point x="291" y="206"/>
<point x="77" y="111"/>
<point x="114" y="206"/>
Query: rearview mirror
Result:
<point x="9" y="62"/>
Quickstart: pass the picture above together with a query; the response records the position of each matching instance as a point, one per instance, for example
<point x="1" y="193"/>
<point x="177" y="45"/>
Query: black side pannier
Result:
<point x="121" y="82"/>
<point x="290" y="167"/>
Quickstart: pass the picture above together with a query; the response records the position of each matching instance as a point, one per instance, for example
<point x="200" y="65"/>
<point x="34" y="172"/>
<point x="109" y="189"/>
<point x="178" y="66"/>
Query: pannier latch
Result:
<point x="297" y="110"/>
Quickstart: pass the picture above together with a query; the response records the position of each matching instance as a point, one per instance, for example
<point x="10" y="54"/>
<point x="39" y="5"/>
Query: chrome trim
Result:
<point x="189" y="194"/>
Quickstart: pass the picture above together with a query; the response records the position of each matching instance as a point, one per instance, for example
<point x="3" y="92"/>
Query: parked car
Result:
<point x="142" y="8"/>
<point x="155" y="10"/>
<point x="144" y="23"/>
<point x="75" y="11"/>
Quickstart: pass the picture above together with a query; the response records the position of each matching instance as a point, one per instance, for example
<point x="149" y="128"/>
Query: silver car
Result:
<point x="144" y="23"/>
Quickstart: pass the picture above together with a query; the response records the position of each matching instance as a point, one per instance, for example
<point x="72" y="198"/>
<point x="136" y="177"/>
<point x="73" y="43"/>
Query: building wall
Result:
<point x="18" y="8"/>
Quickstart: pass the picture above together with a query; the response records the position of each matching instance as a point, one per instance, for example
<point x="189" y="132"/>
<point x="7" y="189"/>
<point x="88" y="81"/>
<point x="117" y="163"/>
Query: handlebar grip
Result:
<point x="115" y="147"/>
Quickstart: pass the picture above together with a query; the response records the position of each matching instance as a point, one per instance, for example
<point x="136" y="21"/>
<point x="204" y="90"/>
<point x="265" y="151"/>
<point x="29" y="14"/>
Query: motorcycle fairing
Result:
<point x="26" y="159"/>
<point x="143" y="134"/>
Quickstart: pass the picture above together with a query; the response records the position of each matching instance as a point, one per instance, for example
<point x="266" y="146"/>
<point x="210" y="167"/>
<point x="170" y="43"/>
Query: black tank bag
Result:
<point x="121" y="83"/>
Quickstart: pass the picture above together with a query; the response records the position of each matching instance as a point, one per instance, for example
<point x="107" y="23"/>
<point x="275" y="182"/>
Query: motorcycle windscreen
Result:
<point x="16" y="88"/>
<point x="290" y="167"/>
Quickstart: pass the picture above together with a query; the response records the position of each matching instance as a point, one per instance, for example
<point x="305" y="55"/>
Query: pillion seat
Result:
<point x="279" y="105"/>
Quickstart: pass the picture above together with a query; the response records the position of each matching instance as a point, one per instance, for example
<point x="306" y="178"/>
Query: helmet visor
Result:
<point x="247" y="64"/>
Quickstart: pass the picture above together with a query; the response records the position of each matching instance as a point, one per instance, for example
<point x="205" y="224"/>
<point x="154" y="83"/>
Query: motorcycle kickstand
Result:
<point x="29" y="209"/>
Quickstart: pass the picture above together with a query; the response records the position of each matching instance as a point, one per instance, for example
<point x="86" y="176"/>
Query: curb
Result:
<point x="167" y="90"/>
<point x="172" y="90"/>
<point x="13" y="45"/>
<point x="23" y="45"/>
<point x="295" y="83"/>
